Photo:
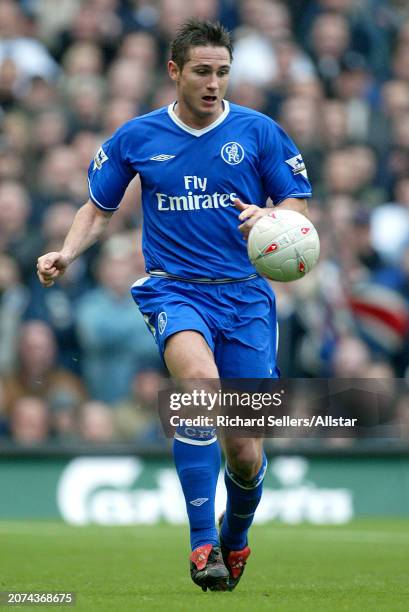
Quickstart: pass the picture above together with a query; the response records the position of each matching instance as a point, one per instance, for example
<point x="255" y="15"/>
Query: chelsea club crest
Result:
<point x="232" y="153"/>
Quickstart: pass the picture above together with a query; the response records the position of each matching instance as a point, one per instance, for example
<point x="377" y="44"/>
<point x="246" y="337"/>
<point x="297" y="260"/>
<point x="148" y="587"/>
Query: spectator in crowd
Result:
<point x="29" y="56"/>
<point x="298" y="116"/>
<point x="360" y="239"/>
<point x="392" y="219"/>
<point x="130" y="78"/>
<point x="16" y="133"/>
<point x="64" y="403"/>
<point x="364" y="21"/>
<point x="400" y="62"/>
<point x="114" y="348"/>
<point x="136" y="417"/>
<point x="14" y="297"/>
<point x="86" y="100"/>
<point x="48" y="130"/>
<point x="37" y="372"/>
<point x="94" y="22"/>
<point x="334" y="125"/>
<point x="82" y="60"/>
<point x="354" y="85"/>
<point x="16" y="237"/>
<point x="56" y="307"/>
<point x="116" y="112"/>
<point x="60" y="176"/>
<point x="351" y="171"/>
<point x="351" y="358"/>
<point x="40" y="95"/>
<point x="171" y="15"/>
<point x="140" y="48"/>
<point x="29" y="421"/>
<point x="330" y="39"/>
<point x="96" y="423"/>
<point x="265" y="54"/>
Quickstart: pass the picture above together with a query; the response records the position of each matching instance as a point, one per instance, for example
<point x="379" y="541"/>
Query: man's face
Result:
<point x="202" y="83"/>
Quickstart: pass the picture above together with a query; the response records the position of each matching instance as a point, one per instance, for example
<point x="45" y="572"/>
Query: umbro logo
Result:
<point x="199" y="501"/>
<point x="162" y="157"/>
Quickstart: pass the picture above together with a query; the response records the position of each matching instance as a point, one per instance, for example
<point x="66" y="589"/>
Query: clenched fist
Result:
<point x="50" y="266"/>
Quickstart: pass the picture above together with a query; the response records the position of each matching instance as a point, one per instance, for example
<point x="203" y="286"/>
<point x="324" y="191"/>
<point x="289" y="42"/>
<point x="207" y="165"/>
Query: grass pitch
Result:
<point x="363" y="565"/>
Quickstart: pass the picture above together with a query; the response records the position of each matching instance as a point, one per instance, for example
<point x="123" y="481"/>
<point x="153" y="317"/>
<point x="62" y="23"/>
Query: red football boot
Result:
<point x="207" y="568"/>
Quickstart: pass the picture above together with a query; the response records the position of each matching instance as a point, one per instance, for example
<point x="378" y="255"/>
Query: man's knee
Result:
<point x="244" y="458"/>
<point x="200" y="371"/>
<point x="188" y="356"/>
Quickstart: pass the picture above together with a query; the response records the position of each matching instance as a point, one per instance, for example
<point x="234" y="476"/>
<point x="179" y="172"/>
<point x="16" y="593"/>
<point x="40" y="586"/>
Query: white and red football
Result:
<point x="283" y="246"/>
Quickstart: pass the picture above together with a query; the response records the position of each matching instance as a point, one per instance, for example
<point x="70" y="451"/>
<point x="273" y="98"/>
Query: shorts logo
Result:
<point x="232" y="153"/>
<point x="99" y="159"/>
<point x="162" y="320"/>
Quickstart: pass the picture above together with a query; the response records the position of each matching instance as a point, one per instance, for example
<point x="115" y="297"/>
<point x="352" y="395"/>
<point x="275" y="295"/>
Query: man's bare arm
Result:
<point x="87" y="228"/>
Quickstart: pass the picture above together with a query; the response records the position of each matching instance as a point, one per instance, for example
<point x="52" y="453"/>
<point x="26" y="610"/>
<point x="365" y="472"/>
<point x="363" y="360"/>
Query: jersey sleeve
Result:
<point x="282" y="167"/>
<point x="110" y="173"/>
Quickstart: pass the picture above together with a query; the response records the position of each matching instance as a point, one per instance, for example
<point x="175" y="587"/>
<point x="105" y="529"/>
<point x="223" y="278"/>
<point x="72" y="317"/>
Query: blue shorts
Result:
<point x="237" y="320"/>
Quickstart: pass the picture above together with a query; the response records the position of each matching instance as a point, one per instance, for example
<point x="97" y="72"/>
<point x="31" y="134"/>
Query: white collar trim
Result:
<point x="194" y="131"/>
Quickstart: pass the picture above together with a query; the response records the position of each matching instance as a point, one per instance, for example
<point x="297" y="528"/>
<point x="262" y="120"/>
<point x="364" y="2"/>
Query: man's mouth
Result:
<point x="209" y="99"/>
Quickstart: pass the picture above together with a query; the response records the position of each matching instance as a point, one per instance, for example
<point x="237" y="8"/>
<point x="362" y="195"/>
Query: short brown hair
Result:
<point x="196" y="33"/>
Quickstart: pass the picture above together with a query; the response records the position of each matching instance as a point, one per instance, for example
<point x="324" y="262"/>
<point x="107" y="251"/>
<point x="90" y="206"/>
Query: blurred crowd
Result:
<point x="77" y="361"/>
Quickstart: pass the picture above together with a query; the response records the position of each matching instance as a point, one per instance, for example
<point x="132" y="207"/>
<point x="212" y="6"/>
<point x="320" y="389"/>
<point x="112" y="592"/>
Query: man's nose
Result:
<point x="213" y="83"/>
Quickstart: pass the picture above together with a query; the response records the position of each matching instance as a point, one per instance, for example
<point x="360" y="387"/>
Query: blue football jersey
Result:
<point x="190" y="178"/>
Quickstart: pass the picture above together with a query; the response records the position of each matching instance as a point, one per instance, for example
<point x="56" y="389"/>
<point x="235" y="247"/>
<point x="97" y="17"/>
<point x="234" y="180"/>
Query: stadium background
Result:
<point x="79" y="374"/>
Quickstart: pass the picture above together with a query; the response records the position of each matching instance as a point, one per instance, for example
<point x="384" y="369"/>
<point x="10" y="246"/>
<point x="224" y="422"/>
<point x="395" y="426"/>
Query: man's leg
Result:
<point x="188" y="356"/>
<point x="244" y="473"/>
<point x="248" y="351"/>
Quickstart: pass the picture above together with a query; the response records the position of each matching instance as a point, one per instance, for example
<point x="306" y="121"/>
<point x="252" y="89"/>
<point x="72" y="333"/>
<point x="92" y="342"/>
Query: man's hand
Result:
<point x="50" y="266"/>
<point x="250" y="213"/>
<point x="88" y="226"/>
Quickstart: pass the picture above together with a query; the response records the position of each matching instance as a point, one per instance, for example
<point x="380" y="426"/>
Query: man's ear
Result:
<point x="174" y="71"/>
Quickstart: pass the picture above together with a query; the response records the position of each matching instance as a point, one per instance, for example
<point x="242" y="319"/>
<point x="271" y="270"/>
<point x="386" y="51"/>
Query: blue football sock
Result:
<point x="198" y="468"/>
<point x="243" y="497"/>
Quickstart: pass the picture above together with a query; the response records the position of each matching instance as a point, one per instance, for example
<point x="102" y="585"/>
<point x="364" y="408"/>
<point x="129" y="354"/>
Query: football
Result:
<point x="283" y="246"/>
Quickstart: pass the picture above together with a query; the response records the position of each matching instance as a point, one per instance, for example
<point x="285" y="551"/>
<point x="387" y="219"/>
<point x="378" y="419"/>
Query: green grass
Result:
<point x="360" y="566"/>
